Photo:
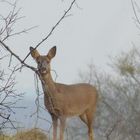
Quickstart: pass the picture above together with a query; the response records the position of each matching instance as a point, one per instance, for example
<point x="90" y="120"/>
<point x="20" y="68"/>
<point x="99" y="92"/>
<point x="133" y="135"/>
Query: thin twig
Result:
<point x="16" y="56"/>
<point x="54" y="27"/>
<point x="19" y="33"/>
<point x="135" y="13"/>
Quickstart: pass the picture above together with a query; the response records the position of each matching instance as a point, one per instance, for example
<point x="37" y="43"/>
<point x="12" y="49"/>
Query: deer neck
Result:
<point x="48" y="84"/>
<point x="50" y="93"/>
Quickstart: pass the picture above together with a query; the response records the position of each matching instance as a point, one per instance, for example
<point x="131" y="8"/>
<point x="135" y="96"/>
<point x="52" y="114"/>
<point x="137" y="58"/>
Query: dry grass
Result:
<point x="33" y="134"/>
<point x="4" y="137"/>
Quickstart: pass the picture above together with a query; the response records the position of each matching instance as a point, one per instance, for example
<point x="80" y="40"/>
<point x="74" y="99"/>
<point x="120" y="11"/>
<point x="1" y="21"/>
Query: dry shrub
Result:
<point x="4" y="137"/>
<point x="33" y="134"/>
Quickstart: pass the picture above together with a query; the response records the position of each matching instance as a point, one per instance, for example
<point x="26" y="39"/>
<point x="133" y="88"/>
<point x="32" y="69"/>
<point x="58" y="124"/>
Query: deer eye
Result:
<point x="39" y="62"/>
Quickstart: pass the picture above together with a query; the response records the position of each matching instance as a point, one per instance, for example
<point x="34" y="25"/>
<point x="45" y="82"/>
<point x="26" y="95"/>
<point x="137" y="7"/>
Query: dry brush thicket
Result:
<point x="117" y="116"/>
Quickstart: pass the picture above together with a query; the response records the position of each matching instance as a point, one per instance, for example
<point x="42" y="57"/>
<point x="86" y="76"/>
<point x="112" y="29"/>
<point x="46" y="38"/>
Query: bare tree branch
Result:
<point x="8" y="23"/>
<point x="8" y="98"/>
<point x="16" y="56"/>
<point x="134" y="10"/>
<point x="54" y="27"/>
<point x="13" y="19"/>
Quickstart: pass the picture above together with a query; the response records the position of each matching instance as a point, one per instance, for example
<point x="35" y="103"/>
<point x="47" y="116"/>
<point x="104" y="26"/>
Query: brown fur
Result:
<point x="63" y="101"/>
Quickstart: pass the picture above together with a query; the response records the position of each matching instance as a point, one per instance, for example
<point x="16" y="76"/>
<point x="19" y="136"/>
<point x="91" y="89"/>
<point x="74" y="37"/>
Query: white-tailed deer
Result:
<point x="63" y="101"/>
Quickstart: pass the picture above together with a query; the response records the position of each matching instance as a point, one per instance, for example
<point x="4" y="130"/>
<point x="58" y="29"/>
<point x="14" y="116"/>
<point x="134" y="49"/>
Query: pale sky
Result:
<point x="100" y="28"/>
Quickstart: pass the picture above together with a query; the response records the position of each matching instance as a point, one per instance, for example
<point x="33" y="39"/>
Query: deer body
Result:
<point x="63" y="101"/>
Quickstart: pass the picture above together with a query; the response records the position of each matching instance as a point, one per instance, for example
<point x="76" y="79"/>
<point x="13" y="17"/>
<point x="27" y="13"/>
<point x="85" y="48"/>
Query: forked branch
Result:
<point x="16" y="56"/>
<point x="7" y="91"/>
<point x="8" y="22"/>
<point x="53" y="28"/>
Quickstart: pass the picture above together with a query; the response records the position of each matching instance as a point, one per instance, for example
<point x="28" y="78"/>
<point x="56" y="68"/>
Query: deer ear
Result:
<point x="34" y="53"/>
<point x="52" y="52"/>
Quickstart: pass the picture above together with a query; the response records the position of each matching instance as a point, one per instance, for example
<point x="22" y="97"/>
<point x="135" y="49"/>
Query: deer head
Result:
<point x="43" y="61"/>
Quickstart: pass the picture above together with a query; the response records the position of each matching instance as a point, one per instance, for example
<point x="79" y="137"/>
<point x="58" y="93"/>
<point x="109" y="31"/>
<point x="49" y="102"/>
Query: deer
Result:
<point x="63" y="101"/>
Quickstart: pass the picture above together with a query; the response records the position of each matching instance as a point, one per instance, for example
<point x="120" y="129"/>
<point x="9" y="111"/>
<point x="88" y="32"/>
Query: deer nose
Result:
<point x="43" y="70"/>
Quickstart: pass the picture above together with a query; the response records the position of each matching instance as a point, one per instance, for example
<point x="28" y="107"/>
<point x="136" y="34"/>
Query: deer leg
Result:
<point x="89" y="115"/>
<point x="83" y="118"/>
<point x="55" y="123"/>
<point x="62" y="127"/>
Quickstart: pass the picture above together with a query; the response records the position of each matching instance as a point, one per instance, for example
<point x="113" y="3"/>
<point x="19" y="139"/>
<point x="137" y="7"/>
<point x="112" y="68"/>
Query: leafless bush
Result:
<point x="117" y="116"/>
<point x="8" y="98"/>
